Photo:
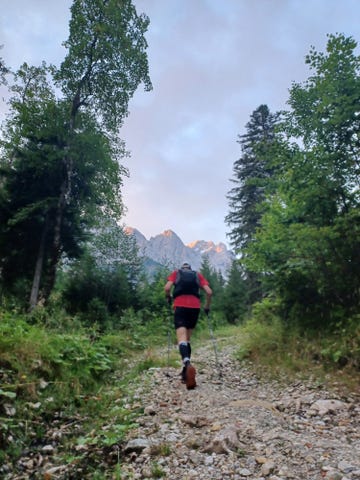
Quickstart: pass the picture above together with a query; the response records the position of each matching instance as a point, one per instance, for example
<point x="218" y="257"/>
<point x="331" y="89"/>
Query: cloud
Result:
<point x="212" y="63"/>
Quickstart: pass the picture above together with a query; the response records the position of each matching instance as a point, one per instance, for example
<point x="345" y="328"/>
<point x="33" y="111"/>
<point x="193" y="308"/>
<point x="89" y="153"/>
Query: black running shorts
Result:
<point x="186" y="317"/>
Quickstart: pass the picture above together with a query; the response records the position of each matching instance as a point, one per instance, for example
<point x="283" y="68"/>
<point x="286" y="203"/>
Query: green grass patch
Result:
<point x="52" y="376"/>
<point x="275" y="347"/>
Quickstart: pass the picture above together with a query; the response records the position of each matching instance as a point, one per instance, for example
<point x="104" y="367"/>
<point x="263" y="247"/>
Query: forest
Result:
<point x="75" y="297"/>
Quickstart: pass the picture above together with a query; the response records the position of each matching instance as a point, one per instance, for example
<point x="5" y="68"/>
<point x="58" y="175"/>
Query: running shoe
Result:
<point x="183" y="374"/>
<point x="190" y="377"/>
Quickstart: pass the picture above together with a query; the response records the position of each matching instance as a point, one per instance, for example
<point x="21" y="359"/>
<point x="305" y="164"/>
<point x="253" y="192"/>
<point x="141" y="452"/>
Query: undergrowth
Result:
<point x="55" y="373"/>
<point x="276" y="347"/>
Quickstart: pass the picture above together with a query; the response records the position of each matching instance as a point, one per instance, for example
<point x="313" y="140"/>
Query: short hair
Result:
<point x="186" y="265"/>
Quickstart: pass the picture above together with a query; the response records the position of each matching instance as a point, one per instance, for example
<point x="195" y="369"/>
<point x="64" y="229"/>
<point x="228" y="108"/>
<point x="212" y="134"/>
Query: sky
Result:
<point x="212" y="63"/>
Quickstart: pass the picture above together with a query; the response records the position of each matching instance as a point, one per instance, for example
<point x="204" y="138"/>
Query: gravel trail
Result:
<point x="240" y="427"/>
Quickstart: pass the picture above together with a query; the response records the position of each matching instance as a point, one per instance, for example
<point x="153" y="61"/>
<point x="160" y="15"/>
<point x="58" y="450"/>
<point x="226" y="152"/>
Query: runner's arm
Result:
<point x="167" y="288"/>
<point x="208" y="293"/>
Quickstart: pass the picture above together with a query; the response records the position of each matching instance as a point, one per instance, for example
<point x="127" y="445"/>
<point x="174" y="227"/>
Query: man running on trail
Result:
<point x="186" y="295"/>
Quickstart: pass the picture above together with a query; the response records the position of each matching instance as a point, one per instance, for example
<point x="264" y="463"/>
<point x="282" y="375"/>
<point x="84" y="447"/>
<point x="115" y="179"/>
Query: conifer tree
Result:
<point x="250" y="174"/>
<point x="252" y="178"/>
<point x="235" y="297"/>
<point x="215" y="280"/>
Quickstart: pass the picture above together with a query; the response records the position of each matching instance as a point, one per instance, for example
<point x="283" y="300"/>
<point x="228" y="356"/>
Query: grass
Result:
<point x="50" y="377"/>
<point x="277" y="351"/>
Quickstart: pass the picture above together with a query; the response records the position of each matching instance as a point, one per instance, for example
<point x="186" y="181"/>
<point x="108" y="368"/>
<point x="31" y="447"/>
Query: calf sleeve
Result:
<point x="185" y="351"/>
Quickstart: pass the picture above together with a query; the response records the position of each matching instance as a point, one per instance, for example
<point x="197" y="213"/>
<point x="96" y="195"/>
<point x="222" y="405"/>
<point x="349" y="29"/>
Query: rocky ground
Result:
<point x="235" y="426"/>
<point x="239" y="427"/>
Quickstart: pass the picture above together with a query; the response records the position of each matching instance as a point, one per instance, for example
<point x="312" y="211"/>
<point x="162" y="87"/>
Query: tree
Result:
<point x="33" y="173"/>
<point x="30" y="167"/>
<point x="102" y="294"/>
<point x="152" y="294"/>
<point x="308" y="245"/>
<point x="3" y="70"/>
<point x="253" y="176"/>
<point x="251" y="173"/>
<point x="235" y="295"/>
<point x="215" y="280"/>
<point x="330" y="133"/>
<point x="105" y="279"/>
<point x="112" y="247"/>
<point x="106" y="62"/>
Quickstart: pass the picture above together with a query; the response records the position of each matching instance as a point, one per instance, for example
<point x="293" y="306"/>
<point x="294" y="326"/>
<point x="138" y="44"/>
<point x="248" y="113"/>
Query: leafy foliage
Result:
<point x="34" y="180"/>
<point x="72" y="373"/>
<point x="60" y="160"/>
<point x="106" y="59"/>
<point x="306" y="248"/>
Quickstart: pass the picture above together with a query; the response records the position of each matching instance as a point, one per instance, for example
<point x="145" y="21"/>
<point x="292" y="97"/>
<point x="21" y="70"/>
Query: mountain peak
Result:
<point x="168" y="249"/>
<point x="168" y="233"/>
<point x="131" y="231"/>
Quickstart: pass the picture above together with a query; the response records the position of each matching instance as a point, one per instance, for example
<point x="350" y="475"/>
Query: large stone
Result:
<point x="323" y="407"/>
<point x="137" y="445"/>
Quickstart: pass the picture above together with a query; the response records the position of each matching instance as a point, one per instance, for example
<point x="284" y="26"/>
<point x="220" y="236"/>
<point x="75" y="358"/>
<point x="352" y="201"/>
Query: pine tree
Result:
<point x="250" y="174"/>
<point x="215" y="280"/>
<point x="235" y="297"/>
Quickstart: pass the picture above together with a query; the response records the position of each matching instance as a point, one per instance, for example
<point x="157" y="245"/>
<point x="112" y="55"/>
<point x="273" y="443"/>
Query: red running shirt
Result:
<point x="189" y="301"/>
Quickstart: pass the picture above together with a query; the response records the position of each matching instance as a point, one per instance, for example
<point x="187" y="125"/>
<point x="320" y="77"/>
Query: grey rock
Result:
<point x="137" y="445"/>
<point x="345" y="467"/>
<point x="322" y="407"/>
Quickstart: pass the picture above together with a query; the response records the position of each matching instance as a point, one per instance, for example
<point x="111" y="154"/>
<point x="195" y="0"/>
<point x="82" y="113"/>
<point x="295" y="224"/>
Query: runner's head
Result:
<point x="186" y="265"/>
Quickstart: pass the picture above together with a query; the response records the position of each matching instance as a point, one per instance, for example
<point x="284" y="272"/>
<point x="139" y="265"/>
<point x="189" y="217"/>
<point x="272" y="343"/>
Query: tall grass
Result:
<point x="50" y="368"/>
<point x="275" y="346"/>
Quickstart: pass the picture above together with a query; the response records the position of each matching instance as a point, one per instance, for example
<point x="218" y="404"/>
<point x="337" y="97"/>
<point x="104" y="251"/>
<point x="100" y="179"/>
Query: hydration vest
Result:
<point x="186" y="283"/>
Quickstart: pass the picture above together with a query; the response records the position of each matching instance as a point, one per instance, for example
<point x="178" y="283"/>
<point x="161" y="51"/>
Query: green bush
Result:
<point x="261" y="338"/>
<point x="342" y="347"/>
<point x="273" y="342"/>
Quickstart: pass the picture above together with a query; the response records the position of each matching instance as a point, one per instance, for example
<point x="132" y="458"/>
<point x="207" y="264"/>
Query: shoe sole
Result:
<point x="190" y="377"/>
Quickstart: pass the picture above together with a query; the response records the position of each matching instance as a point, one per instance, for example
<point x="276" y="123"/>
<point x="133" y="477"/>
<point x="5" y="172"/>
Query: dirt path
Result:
<point x="240" y="428"/>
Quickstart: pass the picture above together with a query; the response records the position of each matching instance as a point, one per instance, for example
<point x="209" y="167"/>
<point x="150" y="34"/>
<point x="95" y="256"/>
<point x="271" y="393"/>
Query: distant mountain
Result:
<point x="168" y="249"/>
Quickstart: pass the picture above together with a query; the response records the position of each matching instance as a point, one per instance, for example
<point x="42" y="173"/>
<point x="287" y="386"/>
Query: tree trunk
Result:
<point x="56" y="246"/>
<point x="34" y="295"/>
<point x="64" y="198"/>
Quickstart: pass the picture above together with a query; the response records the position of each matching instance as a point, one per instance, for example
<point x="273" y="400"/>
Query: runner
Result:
<point x="186" y="284"/>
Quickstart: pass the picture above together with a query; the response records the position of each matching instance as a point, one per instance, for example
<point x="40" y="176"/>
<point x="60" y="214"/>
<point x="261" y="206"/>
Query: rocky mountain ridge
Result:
<point x="168" y="249"/>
